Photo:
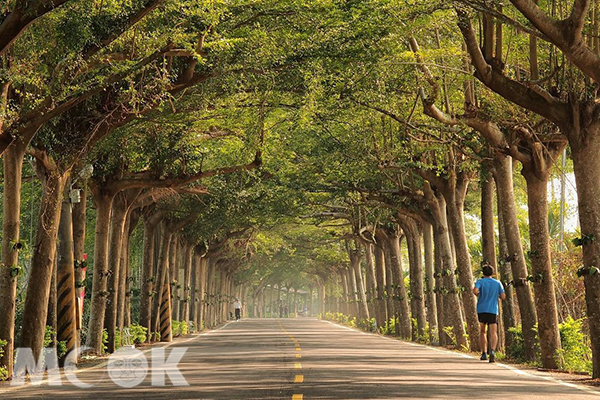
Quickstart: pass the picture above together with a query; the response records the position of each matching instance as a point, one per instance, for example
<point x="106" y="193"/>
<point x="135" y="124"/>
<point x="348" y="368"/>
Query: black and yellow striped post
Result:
<point x="165" y="311"/>
<point x="65" y="282"/>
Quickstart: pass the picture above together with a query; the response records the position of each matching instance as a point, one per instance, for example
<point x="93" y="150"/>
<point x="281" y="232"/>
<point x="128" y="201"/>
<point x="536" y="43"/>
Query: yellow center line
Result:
<point x="299" y="379"/>
<point x="298" y="355"/>
<point x="297" y="365"/>
<point x="298" y="349"/>
<point x="297" y="397"/>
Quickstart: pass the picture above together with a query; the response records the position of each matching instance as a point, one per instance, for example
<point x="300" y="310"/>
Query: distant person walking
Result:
<point x="488" y="290"/>
<point x="237" y="306"/>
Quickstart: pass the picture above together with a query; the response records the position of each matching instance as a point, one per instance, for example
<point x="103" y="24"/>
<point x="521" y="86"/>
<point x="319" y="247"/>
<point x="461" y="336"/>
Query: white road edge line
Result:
<point x="509" y="367"/>
<point x="105" y="363"/>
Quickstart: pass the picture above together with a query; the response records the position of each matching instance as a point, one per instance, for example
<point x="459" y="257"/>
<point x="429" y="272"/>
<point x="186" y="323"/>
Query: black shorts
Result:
<point x="487" y="318"/>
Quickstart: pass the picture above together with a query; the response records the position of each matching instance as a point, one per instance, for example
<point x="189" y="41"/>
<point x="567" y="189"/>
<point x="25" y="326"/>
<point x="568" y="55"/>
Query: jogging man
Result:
<point x="237" y="306"/>
<point x="488" y="290"/>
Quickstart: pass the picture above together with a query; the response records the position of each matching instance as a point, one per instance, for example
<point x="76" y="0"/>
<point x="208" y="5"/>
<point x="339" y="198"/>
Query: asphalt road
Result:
<point x="311" y="359"/>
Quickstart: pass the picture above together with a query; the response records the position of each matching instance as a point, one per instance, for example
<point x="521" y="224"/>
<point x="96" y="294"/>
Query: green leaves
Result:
<point x="583" y="240"/>
<point x="591" y="271"/>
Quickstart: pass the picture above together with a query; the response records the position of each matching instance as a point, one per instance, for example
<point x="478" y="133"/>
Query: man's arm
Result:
<point x="502" y="296"/>
<point x="476" y="291"/>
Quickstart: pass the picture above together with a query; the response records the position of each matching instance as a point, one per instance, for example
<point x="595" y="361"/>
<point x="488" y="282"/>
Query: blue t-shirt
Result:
<point x="489" y="291"/>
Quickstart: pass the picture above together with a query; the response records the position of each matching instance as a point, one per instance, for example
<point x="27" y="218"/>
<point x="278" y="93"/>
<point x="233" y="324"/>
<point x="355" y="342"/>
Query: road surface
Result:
<point x="312" y="359"/>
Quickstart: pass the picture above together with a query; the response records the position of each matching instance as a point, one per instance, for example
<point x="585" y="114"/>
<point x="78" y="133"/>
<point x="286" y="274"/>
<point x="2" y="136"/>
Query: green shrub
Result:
<point x="184" y="328"/>
<point x="516" y="350"/>
<point x="179" y="328"/>
<point x="50" y="341"/>
<point x="118" y="339"/>
<point x="104" y="340"/>
<point x="139" y="334"/>
<point x="575" y="354"/>
<point x="175" y="328"/>
<point x="389" y="328"/>
<point x="3" y="369"/>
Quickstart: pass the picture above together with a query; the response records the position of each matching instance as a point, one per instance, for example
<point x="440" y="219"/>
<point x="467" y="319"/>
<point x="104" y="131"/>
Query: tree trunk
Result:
<point x="201" y="271"/>
<point x="9" y="269"/>
<point x="147" y="279"/>
<point x="79" y="226"/>
<point x="413" y="240"/>
<point x="488" y="237"/>
<point x="208" y="298"/>
<point x="99" y="286"/>
<point x="455" y="203"/>
<point x="51" y="321"/>
<point x="173" y="273"/>
<point x="187" y="282"/>
<point x="360" y="287"/>
<point x="397" y="274"/>
<point x="508" y="306"/>
<point x="439" y="293"/>
<point x="124" y="299"/>
<point x="43" y="261"/>
<point x="585" y="148"/>
<point x="432" y="316"/>
<point x="117" y="230"/>
<point x="541" y="267"/>
<point x="371" y="281"/>
<point x="507" y="207"/>
<point x="450" y="290"/>
<point x="345" y="277"/>
<point x="380" y="312"/>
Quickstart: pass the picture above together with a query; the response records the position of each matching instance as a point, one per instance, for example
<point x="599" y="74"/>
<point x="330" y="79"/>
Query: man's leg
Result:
<point x="494" y="336"/>
<point x="482" y="338"/>
<point x="494" y="341"/>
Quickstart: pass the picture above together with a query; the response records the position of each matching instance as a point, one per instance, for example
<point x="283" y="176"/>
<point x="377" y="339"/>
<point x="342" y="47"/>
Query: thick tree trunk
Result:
<point x="148" y="278"/>
<point x="208" y="298"/>
<point x="380" y="312"/>
<point x="371" y="281"/>
<point x="124" y="299"/>
<point x="505" y="192"/>
<point x="585" y="149"/>
<point x="9" y="269"/>
<point x="393" y="311"/>
<point x="541" y="268"/>
<point x="201" y="272"/>
<point x="455" y="203"/>
<point x="103" y="203"/>
<point x="432" y="316"/>
<point x="508" y="305"/>
<point x="51" y="315"/>
<point x="187" y="282"/>
<point x="353" y="298"/>
<point x="43" y="261"/>
<point x="344" y="276"/>
<point x="439" y="295"/>
<point x="67" y="298"/>
<point x="79" y="226"/>
<point x="488" y="236"/>
<point x="363" y="309"/>
<point x="397" y="275"/>
<point x="413" y="240"/>
<point x="451" y="302"/>
<point x="117" y="231"/>
<point x="174" y="273"/>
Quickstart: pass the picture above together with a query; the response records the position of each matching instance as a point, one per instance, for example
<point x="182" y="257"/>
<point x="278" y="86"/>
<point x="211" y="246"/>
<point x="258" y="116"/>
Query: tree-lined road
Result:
<point x="307" y="358"/>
